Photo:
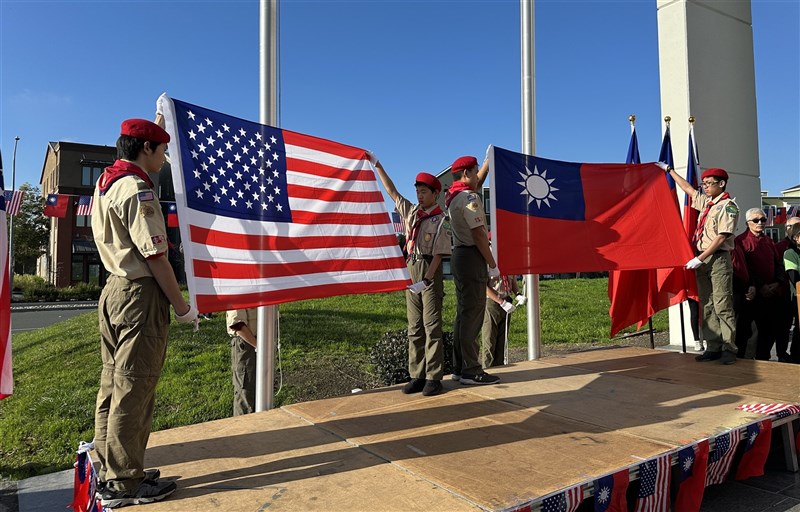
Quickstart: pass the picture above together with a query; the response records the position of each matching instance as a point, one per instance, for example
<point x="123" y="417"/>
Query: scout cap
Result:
<point x="144" y="129"/>
<point x="429" y="180"/>
<point x="715" y="173"/>
<point x="463" y="163"/>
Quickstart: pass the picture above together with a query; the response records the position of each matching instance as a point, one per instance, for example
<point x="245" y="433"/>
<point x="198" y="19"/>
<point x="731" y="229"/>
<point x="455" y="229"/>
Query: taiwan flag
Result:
<point x="554" y="217"/>
<point x="610" y="492"/>
<point x="756" y="450"/>
<point x="172" y="215"/>
<point x="56" y="205"/>
<point x="691" y="476"/>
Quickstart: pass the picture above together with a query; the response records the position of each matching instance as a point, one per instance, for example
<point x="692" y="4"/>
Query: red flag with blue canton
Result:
<point x="85" y="485"/>
<point x="56" y="205"/>
<point x="271" y="216"/>
<point x="756" y="449"/>
<point x="610" y="492"/>
<point x="691" y="477"/>
<point x="6" y="374"/>
<point x="172" y="215"/>
<point x="604" y="216"/>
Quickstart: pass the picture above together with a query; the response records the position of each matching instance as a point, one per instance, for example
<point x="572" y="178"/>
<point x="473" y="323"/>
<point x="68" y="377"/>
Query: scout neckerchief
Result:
<point x="120" y="169"/>
<point x="421" y="215"/>
<point x="455" y="188"/>
<point x="701" y="222"/>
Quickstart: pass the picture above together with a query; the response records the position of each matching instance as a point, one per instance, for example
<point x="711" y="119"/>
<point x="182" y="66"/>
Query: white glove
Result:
<point x="664" y="166"/>
<point x="418" y="287"/>
<point x="188" y="317"/>
<point x="693" y="263"/>
<point x="372" y="158"/>
<point x="494" y="272"/>
<point x="509" y="307"/>
<point x="521" y="300"/>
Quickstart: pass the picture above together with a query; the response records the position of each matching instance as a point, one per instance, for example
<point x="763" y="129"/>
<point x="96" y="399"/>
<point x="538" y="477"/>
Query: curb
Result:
<point x="38" y="306"/>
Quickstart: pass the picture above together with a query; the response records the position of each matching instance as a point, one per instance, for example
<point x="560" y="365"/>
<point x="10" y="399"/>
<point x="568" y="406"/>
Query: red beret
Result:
<point x="430" y="180"/>
<point x="716" y="173"/>
<point x="463" y="163"/>
<point x="144" y="129"/>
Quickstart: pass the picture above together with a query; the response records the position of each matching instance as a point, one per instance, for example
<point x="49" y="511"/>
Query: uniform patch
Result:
<point x="146" y="210"/>
<point x="731" y="209"/>
<point x="472" y="206"/>
<point x="428" y="237"/>
<point x="146" y="196"/>
<point x="446" y="224"/>
<point x="472" y="196"/>
<point x="158" y="239"/>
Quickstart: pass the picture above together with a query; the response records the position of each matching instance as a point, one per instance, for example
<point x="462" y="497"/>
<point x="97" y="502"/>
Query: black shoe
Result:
<point x="150" y="475"/>
<point x="709" y="356"/>
<point x="727" y="357"/>
<point x="481" y="378"/>
<point x="432" y="387"/>
<point x="414" y="386"/>
<point x="147" y="492"/>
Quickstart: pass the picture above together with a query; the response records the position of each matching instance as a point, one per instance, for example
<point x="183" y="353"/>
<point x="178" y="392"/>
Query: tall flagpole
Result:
<point x="268" y="100"/>
<point x="529" y="147"/>
<point x="11" y="220"/>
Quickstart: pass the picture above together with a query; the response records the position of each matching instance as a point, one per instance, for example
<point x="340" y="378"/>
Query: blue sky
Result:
<point x="420" y="83"/>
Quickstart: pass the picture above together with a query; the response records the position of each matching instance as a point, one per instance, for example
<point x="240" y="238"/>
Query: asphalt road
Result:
<point x="45" y="316"/>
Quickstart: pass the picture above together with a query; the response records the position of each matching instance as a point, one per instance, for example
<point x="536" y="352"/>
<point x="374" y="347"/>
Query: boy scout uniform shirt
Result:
<point x="234" y="317"/>
<point x="721" y="219"/>
<point x="128" y="227"/>
<point x="496" y="284"/>
<point x="466" y="213"/>
<point x="431" y="239"/>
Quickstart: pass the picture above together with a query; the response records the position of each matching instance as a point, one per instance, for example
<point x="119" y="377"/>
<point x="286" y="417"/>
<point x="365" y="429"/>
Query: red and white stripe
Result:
<point x="85" y="209"/>
<point x="13" y="201"/>
<point x="769" y="408"/>
<point x="6" y="375"/>
<point x="718" y="470"/>
<point x="659" y="500"/>
<point x="574" y="498"/>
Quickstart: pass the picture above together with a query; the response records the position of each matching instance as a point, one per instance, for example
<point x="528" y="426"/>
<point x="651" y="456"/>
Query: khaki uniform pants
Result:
<point x="134" y="324"/>
<point x="495" y="325"/>
<point x="470" y="276"/>
<point x="715" y="286"/>
<point x="424" y="310"/>
<point x="243" y="369"/>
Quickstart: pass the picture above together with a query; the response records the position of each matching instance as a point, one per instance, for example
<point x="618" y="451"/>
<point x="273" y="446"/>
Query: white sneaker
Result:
<point x="698" y="346"/>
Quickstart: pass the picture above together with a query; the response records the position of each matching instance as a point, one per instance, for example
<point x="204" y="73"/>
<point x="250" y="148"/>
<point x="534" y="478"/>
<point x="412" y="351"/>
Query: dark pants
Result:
<point x="243" y="370"/>
<point x="134" y="324"/>
<point x="795" y="353"/>
<point x="470" y="277"/>
<point x="494" y="334"/>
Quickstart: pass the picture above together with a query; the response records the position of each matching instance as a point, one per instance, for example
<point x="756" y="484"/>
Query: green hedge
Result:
<point x="36" y="289"/>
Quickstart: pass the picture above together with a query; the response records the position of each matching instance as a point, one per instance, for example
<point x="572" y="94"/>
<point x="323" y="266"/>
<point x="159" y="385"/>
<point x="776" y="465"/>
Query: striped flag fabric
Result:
<point x="769" y="212"/>
<point x="85" y="204"/>
<point x="654" y="485"/>
<point x="721" y="457"/>
<point x="397" y="222"/>
<point x="769" y="408"/>
<point x="793" y="210"/>
<point x="6" y="375"/>
<point x="273" y="216"/>
<point x="13" y="201"/>
<point x="566" y="501"/>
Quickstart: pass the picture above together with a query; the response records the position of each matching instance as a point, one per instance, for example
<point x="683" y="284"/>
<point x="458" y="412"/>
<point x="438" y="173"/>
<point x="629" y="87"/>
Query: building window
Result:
<point x="773" y="233"/>
<point x="77" y="268"/>
<point x="90" y="175"/>
<point x="83" y="221"/>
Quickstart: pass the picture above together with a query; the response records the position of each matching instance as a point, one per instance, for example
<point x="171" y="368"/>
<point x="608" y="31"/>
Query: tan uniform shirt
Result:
<point x="466" y="213"/>
<point x="433" y="234"/>
<point x="721" y="219"/>
<point x="128" y="226"/>
<point x="496" y="284"/>
<point x="237" y="316"/>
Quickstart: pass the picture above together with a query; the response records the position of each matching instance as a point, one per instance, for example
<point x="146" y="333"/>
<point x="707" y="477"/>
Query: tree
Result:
<point x="31" y="230"/>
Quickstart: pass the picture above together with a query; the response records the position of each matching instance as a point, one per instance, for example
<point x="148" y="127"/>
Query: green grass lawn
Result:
<point x="56" y="369"/>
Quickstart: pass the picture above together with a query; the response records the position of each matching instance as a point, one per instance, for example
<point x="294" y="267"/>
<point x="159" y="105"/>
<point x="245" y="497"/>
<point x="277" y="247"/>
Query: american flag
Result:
<point x="274" y="216"/>
<point x="654" y="485"/>
<point x="85" y="204"/>
<point x="6" y="376"/>
<point x="770" y="408"/>
<point x="567" y="501"/>
<point x="793" y="210"/>
<point x="721" y="457"/>
<point x="397" y="222"/>
<point x="13" y="201"/>
<point x="769" y="212"/>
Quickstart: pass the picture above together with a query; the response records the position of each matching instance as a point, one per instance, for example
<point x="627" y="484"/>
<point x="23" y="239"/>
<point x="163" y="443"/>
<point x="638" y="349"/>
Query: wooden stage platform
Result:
<point x="548" y="425"/>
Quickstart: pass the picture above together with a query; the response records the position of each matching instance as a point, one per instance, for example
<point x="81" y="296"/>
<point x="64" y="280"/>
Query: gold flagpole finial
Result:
<point x="667" y="119"/>
<point x="632" y="118"/>
<point x="691" y="119"/>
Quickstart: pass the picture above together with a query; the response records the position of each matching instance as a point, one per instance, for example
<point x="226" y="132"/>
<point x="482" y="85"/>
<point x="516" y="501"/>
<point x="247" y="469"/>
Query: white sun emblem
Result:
<point x="537" y="187"/>
<point x="603" y="495"/>
<point x="687" y="464"/>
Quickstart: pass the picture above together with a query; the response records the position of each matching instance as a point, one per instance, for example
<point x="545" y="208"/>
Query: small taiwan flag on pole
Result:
<point x="56" y="205"/>
<point x="172" y="215"/>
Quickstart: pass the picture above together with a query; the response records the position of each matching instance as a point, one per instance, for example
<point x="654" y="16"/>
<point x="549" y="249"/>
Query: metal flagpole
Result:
<point x="529" y="147"/>
<point x="11" y="220"/>
<point x="268" y="101"/>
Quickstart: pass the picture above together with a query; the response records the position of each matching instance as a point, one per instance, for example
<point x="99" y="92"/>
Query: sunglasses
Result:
<point x="760" y="220"/>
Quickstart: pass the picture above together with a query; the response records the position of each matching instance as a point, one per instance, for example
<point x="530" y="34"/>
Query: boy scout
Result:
<point x="427" y="241"/>
<point x="500" y="291"/>
<point x="471" y="255"/>
<point x="713" y="242"/>
<point x="130" y="235"/>
<point x="243" y="358"/>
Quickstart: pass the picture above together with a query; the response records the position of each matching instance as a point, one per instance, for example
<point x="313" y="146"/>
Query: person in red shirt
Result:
<point x="767" y="282"/>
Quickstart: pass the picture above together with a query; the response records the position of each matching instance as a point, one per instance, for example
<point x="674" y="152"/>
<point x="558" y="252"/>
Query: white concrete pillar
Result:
<point x="707" y="70"/>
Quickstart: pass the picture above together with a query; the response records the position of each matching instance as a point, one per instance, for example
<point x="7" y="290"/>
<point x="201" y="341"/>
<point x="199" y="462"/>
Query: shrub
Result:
<point x="389" y="356"/>
<point x="81" y="291"/>
<point x="25" y="281"/>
